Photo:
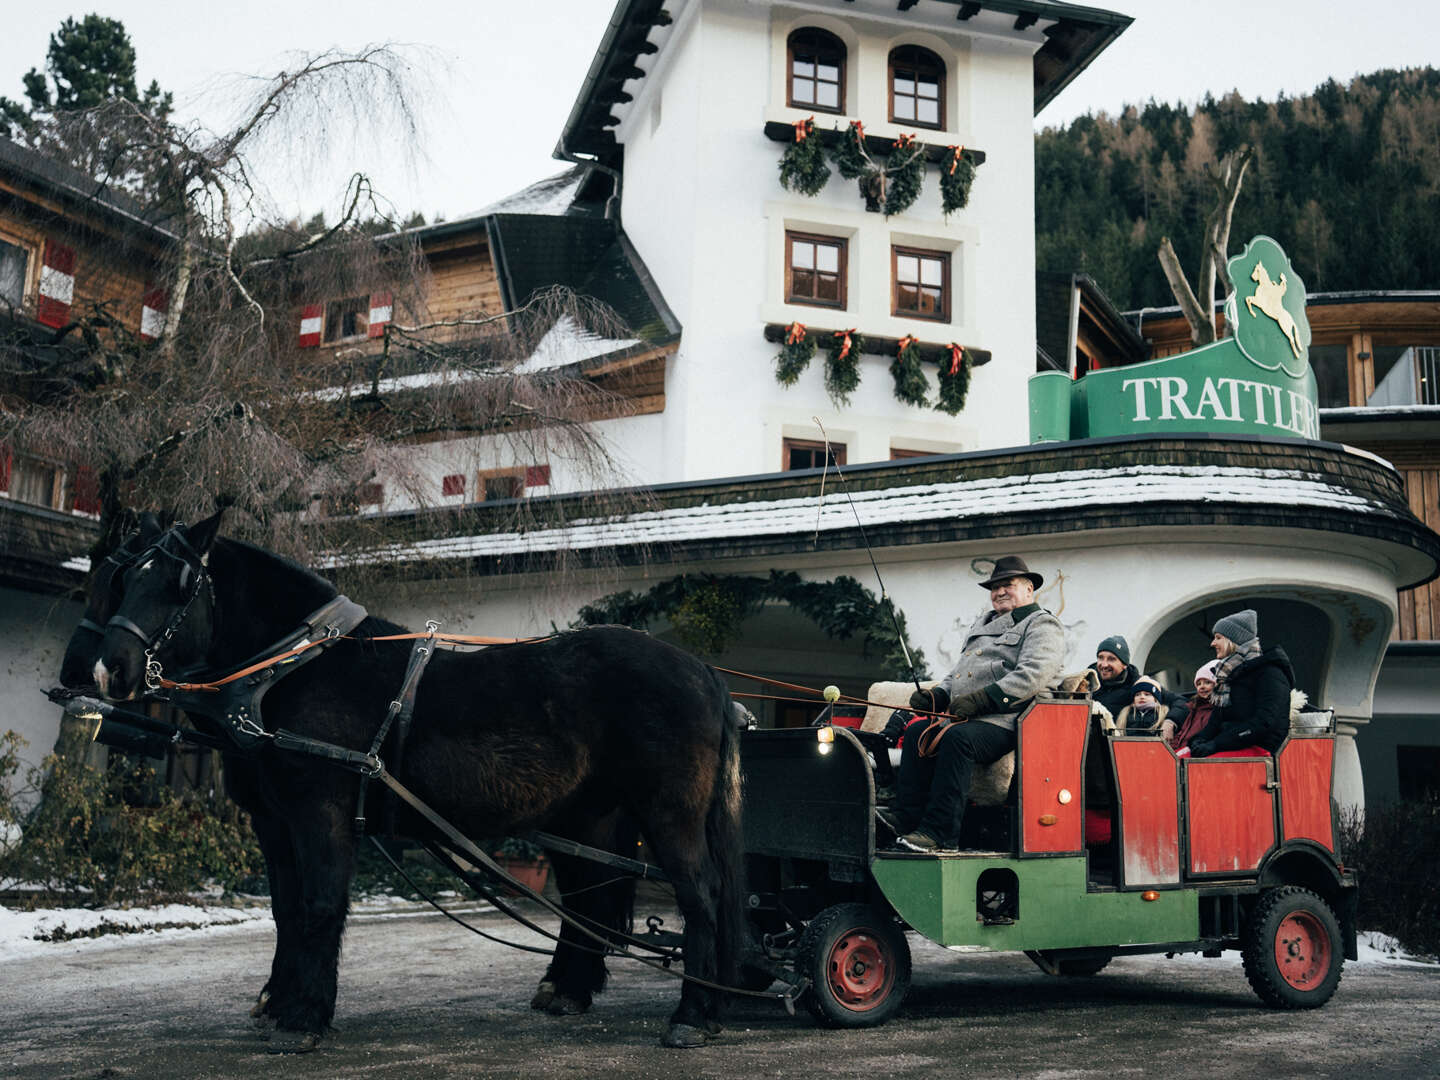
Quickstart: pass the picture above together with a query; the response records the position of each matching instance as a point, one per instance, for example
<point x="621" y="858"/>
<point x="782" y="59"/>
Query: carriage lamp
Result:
<point x="825" y="736"/>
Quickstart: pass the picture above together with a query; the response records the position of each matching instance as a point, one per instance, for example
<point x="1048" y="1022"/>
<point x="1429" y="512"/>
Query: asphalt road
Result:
<point x="419" y="997"/>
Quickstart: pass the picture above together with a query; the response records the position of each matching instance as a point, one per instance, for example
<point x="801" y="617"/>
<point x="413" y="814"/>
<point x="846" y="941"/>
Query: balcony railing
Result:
<point x="1414" y="380"/>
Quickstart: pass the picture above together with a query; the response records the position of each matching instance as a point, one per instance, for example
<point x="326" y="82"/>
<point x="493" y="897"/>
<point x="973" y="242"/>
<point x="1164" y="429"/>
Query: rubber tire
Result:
<point x="1266" y="926"/>
<point x="859" y="927"/>
<point x="1072" y="966"/>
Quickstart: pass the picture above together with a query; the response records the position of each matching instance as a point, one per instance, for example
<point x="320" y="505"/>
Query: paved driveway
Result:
<point x="421" y="998"/>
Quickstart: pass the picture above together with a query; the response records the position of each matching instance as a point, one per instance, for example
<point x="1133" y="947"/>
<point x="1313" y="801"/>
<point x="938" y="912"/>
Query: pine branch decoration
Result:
<point x="954" y="379"/>
<point x="850" y="155"/>
<point x="904" y="174"/>
<point x="802" y="166"/>
<point x="795" y="354"/>
<point x="842" y="366"/>
<point x="909" y="376"/>
<point x="956" y="176"/>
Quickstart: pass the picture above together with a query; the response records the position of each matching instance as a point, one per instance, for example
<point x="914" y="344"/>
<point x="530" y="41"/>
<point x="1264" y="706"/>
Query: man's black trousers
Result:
<point x="932" y="791"/>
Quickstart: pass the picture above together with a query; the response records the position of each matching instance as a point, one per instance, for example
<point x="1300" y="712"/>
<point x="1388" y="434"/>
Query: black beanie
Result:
<point x="1117" y="645"/>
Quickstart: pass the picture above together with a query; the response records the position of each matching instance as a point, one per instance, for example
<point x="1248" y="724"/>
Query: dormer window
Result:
<point x="816" y="75"/>
<point x="917" y="87"/>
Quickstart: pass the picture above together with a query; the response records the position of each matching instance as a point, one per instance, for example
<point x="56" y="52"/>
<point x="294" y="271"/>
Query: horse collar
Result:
<point x="236" y="706"/>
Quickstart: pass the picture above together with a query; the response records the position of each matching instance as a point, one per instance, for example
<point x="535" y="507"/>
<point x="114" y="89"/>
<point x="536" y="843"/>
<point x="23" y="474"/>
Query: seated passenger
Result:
<point x="1118" y="675"/>
<point x="1252" y="691"/>
<point x="1010" y="654"/>
<point x="1145" y="715"/>
<point x="1201" y="706"/>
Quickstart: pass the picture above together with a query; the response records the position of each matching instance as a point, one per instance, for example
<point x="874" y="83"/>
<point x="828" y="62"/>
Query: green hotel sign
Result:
<point x="1257" y="382"/>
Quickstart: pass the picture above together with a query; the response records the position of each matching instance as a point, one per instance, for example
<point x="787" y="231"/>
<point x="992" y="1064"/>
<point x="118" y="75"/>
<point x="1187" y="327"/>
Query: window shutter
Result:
<point x="381" y="305"/>
<point x="454" y="484"/>
<point x="312" y="316"/>
<point x="86" y="491"/>
<point x="4" y="467"/>
<point x="537" y="476"/>
<point x="153" y="308"/>
<point x="57" y="285"/>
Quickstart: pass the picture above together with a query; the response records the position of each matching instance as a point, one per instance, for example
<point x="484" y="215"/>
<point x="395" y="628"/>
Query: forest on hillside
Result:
<point x="1347" y="179"/>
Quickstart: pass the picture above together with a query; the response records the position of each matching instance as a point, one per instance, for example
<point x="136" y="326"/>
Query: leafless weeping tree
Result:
<point x="221" y="407"/>
<point x="1199" y="312"/>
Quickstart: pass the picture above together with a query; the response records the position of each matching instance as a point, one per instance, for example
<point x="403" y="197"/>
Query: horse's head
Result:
<point x="77" y="668"/>
<point x="1258" y="274"/>
<point x="164" y="612"/>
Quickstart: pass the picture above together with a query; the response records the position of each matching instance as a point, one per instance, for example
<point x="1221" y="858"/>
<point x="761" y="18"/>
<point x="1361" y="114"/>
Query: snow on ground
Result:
<point x="28" y="934"/>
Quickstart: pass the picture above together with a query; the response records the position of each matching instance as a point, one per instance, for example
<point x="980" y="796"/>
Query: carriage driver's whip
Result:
<point x="884" y="596"/>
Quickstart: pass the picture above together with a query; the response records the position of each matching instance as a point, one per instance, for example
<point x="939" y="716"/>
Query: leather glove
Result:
<point x="1201" y="748"/>
<point x="973" y="703"/>
<point x="936" y="699"/>
<point x="895" y="726"/>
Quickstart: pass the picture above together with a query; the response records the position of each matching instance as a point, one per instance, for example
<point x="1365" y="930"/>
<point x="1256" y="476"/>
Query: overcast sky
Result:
<point x="486" y="57"/>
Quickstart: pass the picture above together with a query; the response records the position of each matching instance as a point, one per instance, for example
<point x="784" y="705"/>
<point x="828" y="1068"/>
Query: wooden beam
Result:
<point x="1025" y="20"/>
<point x="906" y="5"/>
<point x="880" y="346"/>
<point x="968" y="10"/>
<point x="876" y="144"/>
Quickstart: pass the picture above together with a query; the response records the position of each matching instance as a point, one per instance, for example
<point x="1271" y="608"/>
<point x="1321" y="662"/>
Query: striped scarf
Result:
<point x="1249" y="651"/>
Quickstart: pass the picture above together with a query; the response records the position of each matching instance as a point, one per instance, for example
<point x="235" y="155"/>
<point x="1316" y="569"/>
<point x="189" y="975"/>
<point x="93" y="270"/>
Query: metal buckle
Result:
<point x="153" y="671"/>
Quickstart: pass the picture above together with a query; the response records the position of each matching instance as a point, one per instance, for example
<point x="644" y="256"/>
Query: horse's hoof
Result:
<point x="264" y="1027"/>
<point x="562" y="1005"/>
<point x="713" y="1027"/>
<point x="261" y="1004"/>
<point x="683" y="1037"/>
<point x="293" y="1042"/>
<point x="544" y="995"/>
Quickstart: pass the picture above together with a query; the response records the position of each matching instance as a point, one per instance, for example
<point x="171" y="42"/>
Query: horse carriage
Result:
<point x="1099" y="847"/>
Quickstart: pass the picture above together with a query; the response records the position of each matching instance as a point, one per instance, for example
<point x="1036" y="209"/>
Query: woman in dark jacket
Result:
<point x="1252" y="690"/>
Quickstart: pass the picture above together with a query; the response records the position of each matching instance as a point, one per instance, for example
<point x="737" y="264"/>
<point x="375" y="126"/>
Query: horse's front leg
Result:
<point x="273" y="835"/>
<point x="324" y="846"/>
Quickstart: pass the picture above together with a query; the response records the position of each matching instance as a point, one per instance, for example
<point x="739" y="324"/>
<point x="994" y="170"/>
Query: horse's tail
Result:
<point x="724" y="837"/>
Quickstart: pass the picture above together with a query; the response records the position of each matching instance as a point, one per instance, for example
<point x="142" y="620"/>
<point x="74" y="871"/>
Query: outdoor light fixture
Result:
<point x="825" y="736"/>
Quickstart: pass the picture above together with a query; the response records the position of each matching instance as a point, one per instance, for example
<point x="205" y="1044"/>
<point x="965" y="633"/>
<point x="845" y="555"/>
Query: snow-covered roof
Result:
<point x="567" y="342"/>
<point x="1078" y="489"/>
<point x="553" y="196"/>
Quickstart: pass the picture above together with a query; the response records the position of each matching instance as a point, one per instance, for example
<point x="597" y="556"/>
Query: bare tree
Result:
<point x="1199" y="312"/>
<point x="222" y="406"/>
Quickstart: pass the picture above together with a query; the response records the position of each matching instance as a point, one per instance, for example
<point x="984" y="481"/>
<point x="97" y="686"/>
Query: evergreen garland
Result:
<point x="904" y="174"/>
<point x="795" y="354"/>
<point x="909" y="376"/>
<point x="955" y="178"/>
<point x="850" y="155"/>
<point x="802" y="166"/>
<point x="707" y="611"/>
<point x="842" y="366"/>
<point x="954" y="380"/>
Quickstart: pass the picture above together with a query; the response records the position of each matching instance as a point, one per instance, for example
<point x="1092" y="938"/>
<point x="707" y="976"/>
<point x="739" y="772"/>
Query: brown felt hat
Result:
<point x="1008" y="566"/>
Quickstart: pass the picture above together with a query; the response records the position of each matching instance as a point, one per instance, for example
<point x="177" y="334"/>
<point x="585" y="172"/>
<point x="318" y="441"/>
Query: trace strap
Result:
<point x="399" y="714"/>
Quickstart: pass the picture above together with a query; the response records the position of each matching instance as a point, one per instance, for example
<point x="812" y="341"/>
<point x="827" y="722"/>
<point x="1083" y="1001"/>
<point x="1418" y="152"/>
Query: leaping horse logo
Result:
<point x="1269" y="296"/>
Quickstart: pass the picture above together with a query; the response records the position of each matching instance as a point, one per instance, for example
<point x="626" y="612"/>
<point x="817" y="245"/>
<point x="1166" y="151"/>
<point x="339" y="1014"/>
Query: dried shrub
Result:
<point x="1396" y="849"/>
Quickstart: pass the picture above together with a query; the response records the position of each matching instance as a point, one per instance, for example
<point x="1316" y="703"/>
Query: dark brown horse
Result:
<point x="559" y="734"/>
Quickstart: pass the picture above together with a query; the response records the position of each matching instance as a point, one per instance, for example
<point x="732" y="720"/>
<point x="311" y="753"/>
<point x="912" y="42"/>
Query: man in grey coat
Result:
<point x="1011" y="653"/>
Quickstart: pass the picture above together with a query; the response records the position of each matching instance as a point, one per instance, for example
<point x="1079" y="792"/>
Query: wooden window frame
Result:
<point x="837" y="451"/>
<point x="902" y="453"/>
<point x="840" y="62"/>
<point x="514" y="472"/>
<point x="912" y="56"/>
<point x="31" y="252"/>
<point x="338" y="308"/>
<point x="946" y="294"/>
<point x="839" y="242"/>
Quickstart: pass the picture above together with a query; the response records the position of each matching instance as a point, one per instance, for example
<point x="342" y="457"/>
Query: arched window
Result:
<point x="815" y="78"/>
<point x="917" y="87"/>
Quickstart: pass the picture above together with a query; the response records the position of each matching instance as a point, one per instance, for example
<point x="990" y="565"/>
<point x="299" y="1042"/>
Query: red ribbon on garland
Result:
<point x="955" y="152"/>
<point x="844" y="345"/>
<point x="803" y="128"/>
<point x="957" y="357"/>
<point x="903" y="141"/>
<point x="905" y="343"/>
<point x="859" y="129"/>
<point x="794" y="333"/>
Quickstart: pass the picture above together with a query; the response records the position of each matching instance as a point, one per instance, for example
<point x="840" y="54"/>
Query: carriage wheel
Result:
<point x="1293" y="951"/>
<point x="858" y="963"/>
<point x="1056" y="962"/>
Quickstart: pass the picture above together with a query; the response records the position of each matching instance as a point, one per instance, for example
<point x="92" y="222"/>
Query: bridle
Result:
<point x="117" y="562"/>
<point x="195" y="580"/>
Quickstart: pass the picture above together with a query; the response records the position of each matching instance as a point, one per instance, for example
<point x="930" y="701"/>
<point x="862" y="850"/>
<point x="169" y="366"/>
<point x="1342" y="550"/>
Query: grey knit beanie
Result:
<point x="1241" y="627"/>
<point x="1117" y="645"/>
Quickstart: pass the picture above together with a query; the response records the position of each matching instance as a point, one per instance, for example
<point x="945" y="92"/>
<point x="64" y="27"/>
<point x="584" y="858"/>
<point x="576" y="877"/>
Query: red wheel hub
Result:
<point x="859" y="971"/>
<point x="1302" y="950"/>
